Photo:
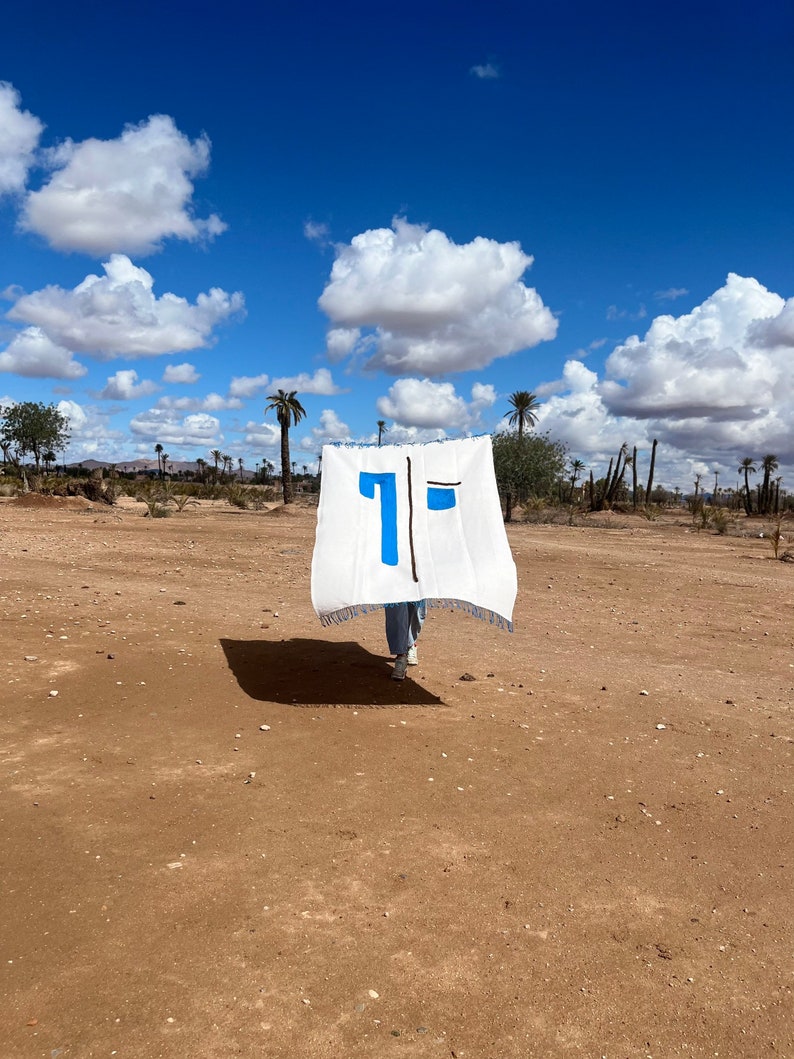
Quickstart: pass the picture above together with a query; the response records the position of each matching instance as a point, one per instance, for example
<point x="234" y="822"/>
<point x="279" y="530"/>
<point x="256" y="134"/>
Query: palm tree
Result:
<point x="288" y="411"/>
<point x="747" y="467"/>
<point x="216" y="455"/>
<point x="226" y="460"/>
<point x="716" y="483"/>
<point x="158" y="448"/>
<point x="200" y="465"/>
<point x="240" y="465"/>
<point x="164" y="458"/>
<point x="576" y="468"/>
<point x="524" y="405"/>
<point x="382" y="428"/>
<point x="768" y="464"/>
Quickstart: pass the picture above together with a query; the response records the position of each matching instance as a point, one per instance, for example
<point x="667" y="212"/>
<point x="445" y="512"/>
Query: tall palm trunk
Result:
<point x="286" y="471"/>
<point x="649" y="488"/>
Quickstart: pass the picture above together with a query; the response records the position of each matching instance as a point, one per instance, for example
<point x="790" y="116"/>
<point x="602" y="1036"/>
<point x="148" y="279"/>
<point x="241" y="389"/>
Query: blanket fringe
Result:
<point x="338" y="617"/>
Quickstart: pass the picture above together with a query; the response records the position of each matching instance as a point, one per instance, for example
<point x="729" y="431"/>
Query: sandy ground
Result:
<point x="226" y="832"/>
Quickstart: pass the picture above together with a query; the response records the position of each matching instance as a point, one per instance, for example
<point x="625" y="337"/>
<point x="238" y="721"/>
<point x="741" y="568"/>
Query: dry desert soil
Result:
<point x="226" y="832"/>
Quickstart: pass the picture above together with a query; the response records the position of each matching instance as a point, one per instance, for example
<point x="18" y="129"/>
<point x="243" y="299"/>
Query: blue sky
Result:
<point x="405" y="213"/>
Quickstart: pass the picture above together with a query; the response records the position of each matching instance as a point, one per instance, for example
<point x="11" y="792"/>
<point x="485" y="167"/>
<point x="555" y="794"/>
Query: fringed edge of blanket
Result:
<point x="343" y="614"/>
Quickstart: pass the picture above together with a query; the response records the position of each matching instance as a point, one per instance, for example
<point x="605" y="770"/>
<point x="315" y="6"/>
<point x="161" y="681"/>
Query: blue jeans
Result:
<point x="403" y="625"/>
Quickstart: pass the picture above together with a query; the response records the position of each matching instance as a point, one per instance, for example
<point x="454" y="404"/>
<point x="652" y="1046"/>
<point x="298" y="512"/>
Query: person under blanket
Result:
<point x="403" y="625"/>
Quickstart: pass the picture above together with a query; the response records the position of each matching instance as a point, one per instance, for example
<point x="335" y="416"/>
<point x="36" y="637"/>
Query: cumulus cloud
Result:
<point x="426" y="404"/>
<point x="19" y="136"/>
<point x="248" y="385"/>
<point x="429" y="305"/>
<point x="340" y="342"/>
<point x="575" y="414"/>
<point x="485" y="71"/>
<point x="118" y="315"/>
<point x="125" y="195"/>
<point x="75" y="413"/>
<point x="713" y="385"/>
<point x="331" y="428"/>
<point x="124" y="386"/>
<point x="775" y="331"/>
<point x="700" y="364"/>
<point x="170" y="429"/>
<point x="32" y="354"/>
<point x="262" y="436"/>
<point x="180" y="373"/>
<point x="320" y="383"/>
<point x="213" y="402"/>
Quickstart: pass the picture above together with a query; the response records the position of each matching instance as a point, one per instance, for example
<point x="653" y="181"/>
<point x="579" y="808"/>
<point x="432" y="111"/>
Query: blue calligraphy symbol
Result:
<point x="387" y="481"/>
<point x="440" y="499"/>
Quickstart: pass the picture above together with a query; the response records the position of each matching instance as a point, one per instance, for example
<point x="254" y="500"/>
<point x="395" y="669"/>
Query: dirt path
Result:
<point x="229" y="833"/>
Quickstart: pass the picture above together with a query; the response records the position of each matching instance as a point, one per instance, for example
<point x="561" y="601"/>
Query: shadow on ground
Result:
<point x="320" y="673"/>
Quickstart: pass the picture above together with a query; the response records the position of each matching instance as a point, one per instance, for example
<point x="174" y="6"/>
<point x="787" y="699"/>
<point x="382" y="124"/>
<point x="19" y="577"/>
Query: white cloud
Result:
<point x="124" y="386"/>
<point x="19" y="136"/>
<point x="248" y="385"/>
<point x="320" y="383"/>
<point x="168" y="428"/>
<point x="713" y="385"/>
<point x="483" y="396"/>
<point x="32" y="354"/>
<point x="213" y="402"/>
<point x="577" y="416"/>
<point x="613" y="313"/>
<point x="701" y="364"/>
<point x="774" y="331"/>
<point x="331" y="428"/>
<point x="76" y="415"/>
<point x="180" y="373"/>
<point x="398" y="434"/>
<point x="316" y="231"/>
<point x="124" y="195"/>
<point x="671" y="294"/>
<point x="434" y="405"/>
<point x="432" y="306"/>
<point x="485" y="71"/>
<point x="118" y="315"/>
<point x="340" y="342"/>
<point x="262" y="436"/>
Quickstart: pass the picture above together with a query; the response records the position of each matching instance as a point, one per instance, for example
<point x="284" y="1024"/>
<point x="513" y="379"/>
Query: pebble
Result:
<point x="661" y="727"/>
<point x="373" y="994"/>
<point x="643" y="692"/>
<point x="53" y="693"/>
<point x="264" y="727"/>
<point x="31" y="658"/>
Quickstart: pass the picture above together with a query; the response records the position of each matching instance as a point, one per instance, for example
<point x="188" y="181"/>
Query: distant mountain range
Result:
<point x="143" y="466"/>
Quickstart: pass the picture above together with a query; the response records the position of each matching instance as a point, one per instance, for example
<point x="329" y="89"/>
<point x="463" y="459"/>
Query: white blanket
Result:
<point x="401" y="523"/>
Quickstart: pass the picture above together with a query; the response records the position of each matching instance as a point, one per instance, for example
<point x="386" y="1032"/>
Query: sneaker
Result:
<point x="400" y="665"/>
<point x="413" y="656"/>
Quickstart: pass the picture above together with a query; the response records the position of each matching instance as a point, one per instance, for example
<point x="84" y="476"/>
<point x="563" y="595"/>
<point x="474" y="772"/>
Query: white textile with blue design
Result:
<point x="401" y="523"/>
